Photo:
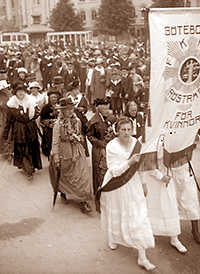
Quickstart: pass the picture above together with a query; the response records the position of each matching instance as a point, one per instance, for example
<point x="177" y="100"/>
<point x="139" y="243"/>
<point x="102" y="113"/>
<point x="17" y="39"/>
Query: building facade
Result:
<point x="20" y="11"/>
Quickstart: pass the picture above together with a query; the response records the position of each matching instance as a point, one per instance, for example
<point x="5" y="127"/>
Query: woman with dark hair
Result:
<point x="48" y="115"/>
<point x="99" y="134"/>
<point x="21" y="115"/>
<point x="123" y="206"/>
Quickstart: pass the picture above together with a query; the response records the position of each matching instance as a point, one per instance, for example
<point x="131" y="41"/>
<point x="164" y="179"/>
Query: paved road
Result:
<point x="35" y="240"/>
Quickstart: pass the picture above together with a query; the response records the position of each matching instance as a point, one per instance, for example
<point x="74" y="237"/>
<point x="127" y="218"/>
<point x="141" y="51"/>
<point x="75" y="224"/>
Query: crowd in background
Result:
<point x="46" y="92"/>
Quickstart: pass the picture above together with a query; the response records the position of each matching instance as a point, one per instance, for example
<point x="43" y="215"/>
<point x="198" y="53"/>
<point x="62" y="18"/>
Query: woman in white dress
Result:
<point x="123" y="209"/>
<point x="161" y="201"/>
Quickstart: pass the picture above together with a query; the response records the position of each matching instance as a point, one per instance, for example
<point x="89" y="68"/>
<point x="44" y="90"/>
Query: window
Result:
<point x="13" y="4"/>
<point x="94" y="15"/>
<point x="14" y="19"/>
<point x="6" y="38"/>
<point x="36" y="2"/>
<point x="82" y="0"/>
<point x="83" y="16"/>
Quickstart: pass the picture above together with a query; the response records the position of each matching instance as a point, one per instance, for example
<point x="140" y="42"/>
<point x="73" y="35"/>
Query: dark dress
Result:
<point x="26" y="144"/>
<point x="48" y="115"/>
<point x="99" y="134"/>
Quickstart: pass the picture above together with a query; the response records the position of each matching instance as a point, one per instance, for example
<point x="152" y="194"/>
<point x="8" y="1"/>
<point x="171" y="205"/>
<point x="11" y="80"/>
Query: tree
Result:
<point x="114" y="17"/>
<point x="167" y="3"/>
<point x="64" y="18"/>
<point x="8" y="25"/>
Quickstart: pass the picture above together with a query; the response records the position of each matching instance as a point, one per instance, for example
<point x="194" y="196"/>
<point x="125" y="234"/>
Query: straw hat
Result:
<point x="34" y="85"/>
<point x="65" y="103"/>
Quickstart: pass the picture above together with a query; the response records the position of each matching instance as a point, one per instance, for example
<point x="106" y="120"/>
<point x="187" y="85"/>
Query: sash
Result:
<point x="119" y="181"/>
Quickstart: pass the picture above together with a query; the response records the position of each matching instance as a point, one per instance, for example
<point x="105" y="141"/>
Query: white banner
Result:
<point x="175" y="77"/>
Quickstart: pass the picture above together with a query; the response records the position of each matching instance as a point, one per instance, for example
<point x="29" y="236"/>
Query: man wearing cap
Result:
<point x="141" y="97"/>
<point x="127" y="92"/>
<point x="58" y="83"/>
<point x="70" y="76"/>
<point x="99" y="134"/>
<point x="19" y="62"/>
<point x="45" y="66"/>
<point x="90" y="69"/>
<point x="58" y="69"/>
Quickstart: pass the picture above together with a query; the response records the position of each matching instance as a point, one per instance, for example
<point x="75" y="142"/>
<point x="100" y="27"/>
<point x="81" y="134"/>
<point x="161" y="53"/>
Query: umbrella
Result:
<point x="54" y="178"/>
<point x="56" y="188"/>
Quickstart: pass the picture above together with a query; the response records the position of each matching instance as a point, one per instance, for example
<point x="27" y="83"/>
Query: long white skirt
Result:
<point x="187" y="193"/>
<point x="124" y="215"/>
<point x="162" y="207"/>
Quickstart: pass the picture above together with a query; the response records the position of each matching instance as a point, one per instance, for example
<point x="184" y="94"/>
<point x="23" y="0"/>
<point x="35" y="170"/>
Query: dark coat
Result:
<point x="127" y="87"/>
<point x="142" y="97"/>
<point x="97" y="136"/>
<point x="69" y="78"/>
<point x="48" y="115"/>
<point x="26" y="144"/>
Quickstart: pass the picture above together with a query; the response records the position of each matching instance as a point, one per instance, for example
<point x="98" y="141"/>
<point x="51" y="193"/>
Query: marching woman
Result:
<point x="123" y="207"/>
<point x="68" y="158"/>
<point x="162" y="202"/>
<point x="21" y="115"/>
<point x="48" y="115"/>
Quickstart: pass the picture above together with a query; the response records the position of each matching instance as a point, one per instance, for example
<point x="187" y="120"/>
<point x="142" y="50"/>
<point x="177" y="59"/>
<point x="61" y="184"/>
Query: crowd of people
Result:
<point x="46" y="92"/>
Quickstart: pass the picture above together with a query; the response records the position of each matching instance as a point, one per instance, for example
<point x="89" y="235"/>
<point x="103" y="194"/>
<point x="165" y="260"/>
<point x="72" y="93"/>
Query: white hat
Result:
<point x="22" y="70"/>
<point x="99" y="60"/>
<point x="34" y="85"/>
<point x="3" y="84"/>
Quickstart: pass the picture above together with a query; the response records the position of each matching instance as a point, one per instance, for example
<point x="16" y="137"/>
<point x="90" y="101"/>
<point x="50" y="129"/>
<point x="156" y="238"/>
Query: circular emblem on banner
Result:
<point x="189" y="70"/>
<point x="183" y="64"/>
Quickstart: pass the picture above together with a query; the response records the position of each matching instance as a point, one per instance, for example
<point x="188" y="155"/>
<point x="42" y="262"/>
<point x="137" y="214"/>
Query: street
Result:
<point x="36" y="240"/>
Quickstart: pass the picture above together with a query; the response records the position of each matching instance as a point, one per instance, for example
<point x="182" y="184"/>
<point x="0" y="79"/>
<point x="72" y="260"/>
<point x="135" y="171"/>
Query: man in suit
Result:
<point x="70" y="76"/>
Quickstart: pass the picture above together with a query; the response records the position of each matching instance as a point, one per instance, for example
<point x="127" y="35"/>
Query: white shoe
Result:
<point x="146" y="265"/>
<point x="178" y="245"/>
<point x="112" y="245"/>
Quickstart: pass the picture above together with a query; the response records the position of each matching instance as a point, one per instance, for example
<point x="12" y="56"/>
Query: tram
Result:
<point x="9" y="38"/>
<point x="77" y="38"/>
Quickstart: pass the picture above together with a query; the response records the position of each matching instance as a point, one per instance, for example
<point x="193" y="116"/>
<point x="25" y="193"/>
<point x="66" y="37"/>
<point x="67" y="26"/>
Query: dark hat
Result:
<point x="18" y="86"/>
<point x="53" y="90"/>
<point x="65" y="102"/>
<point x="57" y="80"/>
<point x="102" y="101"/>
<point x="125" y="67"/>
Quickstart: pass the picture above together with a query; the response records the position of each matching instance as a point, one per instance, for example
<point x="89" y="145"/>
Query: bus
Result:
<point x="76" y="38"/>
<point x="9" y="38"/>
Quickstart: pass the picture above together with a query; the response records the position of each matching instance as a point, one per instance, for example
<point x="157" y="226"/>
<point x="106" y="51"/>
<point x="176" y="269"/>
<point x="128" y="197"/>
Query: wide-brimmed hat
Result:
<point x="102" y="101"/>
<point x="65" y="102"/>
<point x="19" y="86"/>
<point x="99" y="60"/>
<point x="57" y="80"/>
<point x="53" y="90"/>
<point x="34" y="85"/>
<point x="21" y="69"/>
<point x="125" y="67"/>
